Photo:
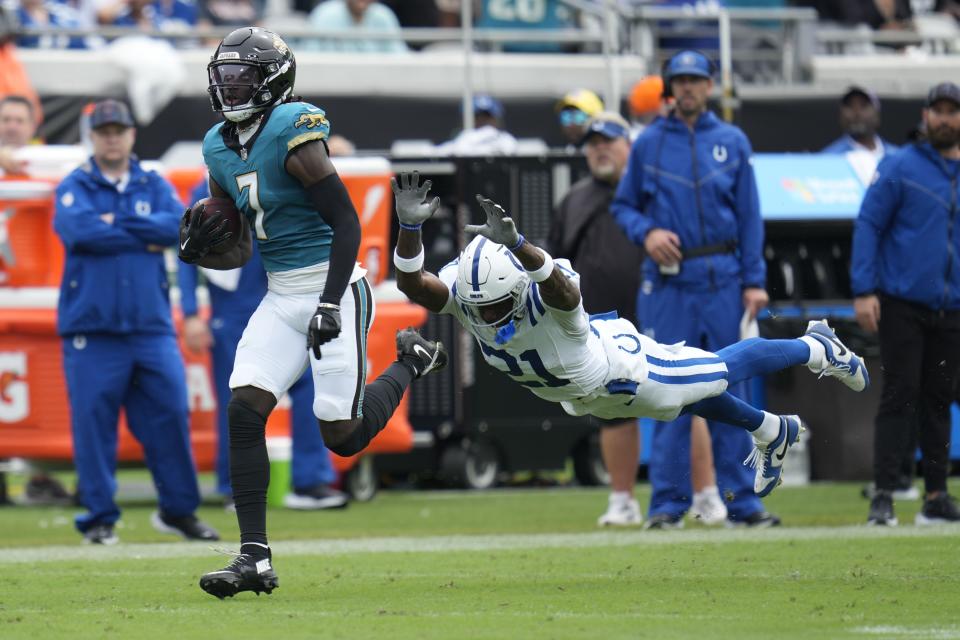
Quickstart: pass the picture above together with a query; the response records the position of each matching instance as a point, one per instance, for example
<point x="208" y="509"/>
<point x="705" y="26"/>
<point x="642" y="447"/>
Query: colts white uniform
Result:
<point x="599" y="365"/>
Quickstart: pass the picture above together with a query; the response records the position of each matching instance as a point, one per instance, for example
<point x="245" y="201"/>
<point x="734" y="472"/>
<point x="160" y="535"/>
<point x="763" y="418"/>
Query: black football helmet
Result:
<point x="252" y="69"/>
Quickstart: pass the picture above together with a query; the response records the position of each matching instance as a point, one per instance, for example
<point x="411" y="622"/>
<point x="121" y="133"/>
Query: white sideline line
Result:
<point x="428" y="544"/>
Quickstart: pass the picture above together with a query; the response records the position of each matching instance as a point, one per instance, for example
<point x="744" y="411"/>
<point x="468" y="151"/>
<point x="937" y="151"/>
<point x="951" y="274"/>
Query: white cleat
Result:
<point x="767" y="458"/>
<point x="838" y="361"/>
<point x="621" y="514"/>
<point x="708" y="507"/>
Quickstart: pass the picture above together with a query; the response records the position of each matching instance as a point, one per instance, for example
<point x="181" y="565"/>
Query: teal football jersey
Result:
<point x="290" y="232"/>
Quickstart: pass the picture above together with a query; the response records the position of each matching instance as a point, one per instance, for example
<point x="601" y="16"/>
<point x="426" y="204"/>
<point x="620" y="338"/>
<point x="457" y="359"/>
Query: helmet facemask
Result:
<point x="240" y="90"/>
<point x="492" y="290"/>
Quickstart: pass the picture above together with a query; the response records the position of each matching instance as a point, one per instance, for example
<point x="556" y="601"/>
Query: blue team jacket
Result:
<point x="905" y="239"/>
<point x="701" y="186"/>
<point x="111" y="282"/>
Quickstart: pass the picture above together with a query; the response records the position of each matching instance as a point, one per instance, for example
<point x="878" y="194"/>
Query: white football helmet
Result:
<point x="489" y="274"/>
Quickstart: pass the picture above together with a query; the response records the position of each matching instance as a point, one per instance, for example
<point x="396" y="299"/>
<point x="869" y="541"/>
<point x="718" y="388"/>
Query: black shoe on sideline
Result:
<point x="42" y="489"/>
<point x="424" y="356"/>
<point x="100" y="534"/>
<point x="187" y="527"/>
<point x="245" y="573"/>
<point x="756" y="520"/>
<point x="320" y="496"/>
<point x="663" y="522"/>
<point x="941" y="509"/>
<point x="881" y="510"/>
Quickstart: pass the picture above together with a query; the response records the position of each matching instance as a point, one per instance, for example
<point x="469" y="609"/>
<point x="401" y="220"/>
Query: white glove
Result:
<point x="412" y="210"/>
<point x="499" y="227"/>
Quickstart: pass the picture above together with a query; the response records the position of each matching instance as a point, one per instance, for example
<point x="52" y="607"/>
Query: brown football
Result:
<point x="225" y="208"/>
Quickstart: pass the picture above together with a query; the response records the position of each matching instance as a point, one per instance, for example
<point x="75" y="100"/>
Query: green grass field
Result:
<point x="518" y="563"/>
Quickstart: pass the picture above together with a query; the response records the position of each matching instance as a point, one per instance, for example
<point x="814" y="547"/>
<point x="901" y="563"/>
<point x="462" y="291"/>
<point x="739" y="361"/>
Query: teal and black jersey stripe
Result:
<point x="363" y="305"/>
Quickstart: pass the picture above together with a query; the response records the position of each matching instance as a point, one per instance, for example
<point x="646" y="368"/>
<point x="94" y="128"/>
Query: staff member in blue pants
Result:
<point x="234" y="296"/>
<point x="689" y="197"/>
<point x="119" y="346"/>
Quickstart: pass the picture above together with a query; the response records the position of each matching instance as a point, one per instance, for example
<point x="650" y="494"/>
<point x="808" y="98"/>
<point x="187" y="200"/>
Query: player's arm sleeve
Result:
<point x="753" y="269"/>
<point x="82" y="230"/>
<point x="162" y="226"/>
<point x="881" y="201"/>
<point x="331" y="199"/>
<point x="308" y="161"/>
<point x="629" y="202"/>
<point x="187" y="281"/>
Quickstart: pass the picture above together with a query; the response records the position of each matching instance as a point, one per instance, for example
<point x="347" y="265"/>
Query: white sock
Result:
<point x="620" y="497"/>
<point x="707" y="492"/>
<point x="817" y="352"/>
<point x="768" y="430"/>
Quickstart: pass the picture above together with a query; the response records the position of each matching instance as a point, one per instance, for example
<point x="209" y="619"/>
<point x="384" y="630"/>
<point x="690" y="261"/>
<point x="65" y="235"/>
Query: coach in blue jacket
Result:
<point x="234" y="296"/>
<point x="689" y="197"/>
<point x="905" y="276"/>
<point x="119" y="346"/>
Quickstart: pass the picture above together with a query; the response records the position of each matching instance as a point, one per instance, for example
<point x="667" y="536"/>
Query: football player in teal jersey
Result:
<point x="270" y="157"/>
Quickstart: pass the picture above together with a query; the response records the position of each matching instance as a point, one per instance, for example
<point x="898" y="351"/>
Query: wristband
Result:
<point x="545" y="269"/>
<point x="520" y="241"/>
<point x="408" y="265"/>
<point x="411" y="227"/>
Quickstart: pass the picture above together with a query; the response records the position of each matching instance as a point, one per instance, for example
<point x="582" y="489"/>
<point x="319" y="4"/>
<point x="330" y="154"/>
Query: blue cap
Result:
<point x="483" y="103"/>
<point x="110" y="112"/>
<point x="688" y="63"/>
<point x="607" y="124"/>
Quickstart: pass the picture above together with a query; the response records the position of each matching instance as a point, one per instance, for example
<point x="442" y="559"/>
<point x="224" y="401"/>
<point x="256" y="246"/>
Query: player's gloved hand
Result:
<point x="197" y="238"/>
<point x="499" y="227"/>
<point x="324" y="327"/>
<point x="410" y="196"/>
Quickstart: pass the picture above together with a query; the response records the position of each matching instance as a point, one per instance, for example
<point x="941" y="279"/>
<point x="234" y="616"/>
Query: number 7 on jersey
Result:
<point x="244" y="181"/>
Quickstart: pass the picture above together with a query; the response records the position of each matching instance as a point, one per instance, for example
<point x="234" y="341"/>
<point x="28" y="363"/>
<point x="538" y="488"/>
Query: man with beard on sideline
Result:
<point x="905" y="276"/>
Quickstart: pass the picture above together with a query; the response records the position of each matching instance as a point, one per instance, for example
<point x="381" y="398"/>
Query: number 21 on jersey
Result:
<point x="249" y="181"/>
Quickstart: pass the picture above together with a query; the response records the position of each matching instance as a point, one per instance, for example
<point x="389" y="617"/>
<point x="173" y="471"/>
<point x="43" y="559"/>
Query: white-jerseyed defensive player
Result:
<point x="525" y="311"/>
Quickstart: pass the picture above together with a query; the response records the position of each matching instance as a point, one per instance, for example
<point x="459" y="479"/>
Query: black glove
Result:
<point x="324" y="327"/>
<point x="197" y="238"/>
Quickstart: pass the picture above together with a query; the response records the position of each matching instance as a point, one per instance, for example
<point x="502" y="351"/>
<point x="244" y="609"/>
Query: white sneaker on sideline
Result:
<point x="708" y="507"/>
<point x="621" y="513"/>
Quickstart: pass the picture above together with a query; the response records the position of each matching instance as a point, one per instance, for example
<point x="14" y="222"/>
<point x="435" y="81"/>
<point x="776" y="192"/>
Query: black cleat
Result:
<point x="941" y="509"/>
<point x="757" y="520"/>
<point x="245" y="573"/>
<point x="424" y="356"/>
<point x="664" y="522"/>
<point x="100" y="534"/>
<point x="881" y="510"/>
<point x="187" y="527"/>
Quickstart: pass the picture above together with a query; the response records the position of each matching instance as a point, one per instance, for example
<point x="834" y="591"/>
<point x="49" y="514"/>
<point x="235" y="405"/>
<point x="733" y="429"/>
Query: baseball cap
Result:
<point x="110" y="112"/>
<point x="860" y="91"/>
<point x="688" y="63"/>
<point x="608" y="124"/>
<point x="582" y="99"/>
<point x="944" y="91"/>
<point x="483" y="103"/>
<point x="646" y="95"/>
